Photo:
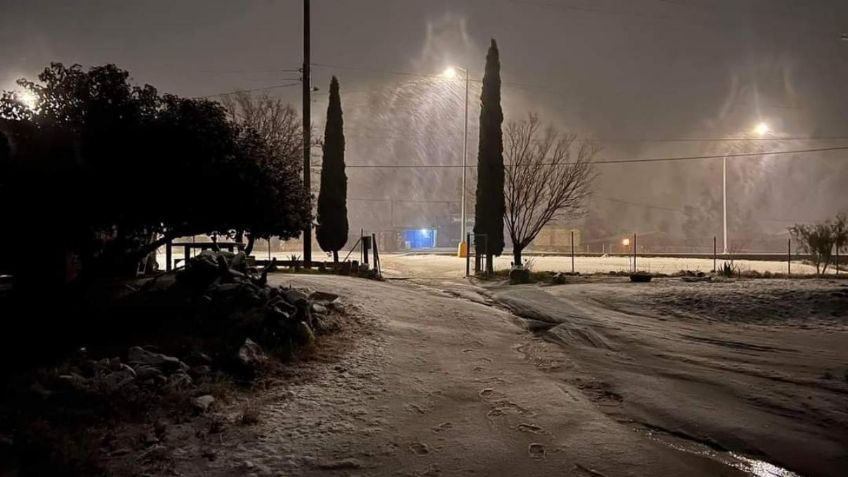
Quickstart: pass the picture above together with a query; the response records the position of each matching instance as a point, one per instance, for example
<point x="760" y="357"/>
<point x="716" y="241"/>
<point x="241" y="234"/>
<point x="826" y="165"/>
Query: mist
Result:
<point x="633" y="75"/>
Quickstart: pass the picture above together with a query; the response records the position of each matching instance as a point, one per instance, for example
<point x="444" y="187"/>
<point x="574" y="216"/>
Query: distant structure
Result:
<point x="556" y="238"/>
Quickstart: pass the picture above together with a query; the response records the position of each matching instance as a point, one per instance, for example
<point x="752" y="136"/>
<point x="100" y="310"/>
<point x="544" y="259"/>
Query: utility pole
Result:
<point x="724" y="199"/>
<point x="463" y="247"/>
<point x="307" y="136"/>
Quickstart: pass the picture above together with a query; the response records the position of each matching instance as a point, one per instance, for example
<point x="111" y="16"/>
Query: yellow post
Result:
<point x="462" y="249"/>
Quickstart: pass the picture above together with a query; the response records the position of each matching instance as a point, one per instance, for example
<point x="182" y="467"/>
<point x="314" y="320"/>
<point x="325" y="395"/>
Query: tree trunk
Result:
<point x="335" y="258"/>
<point x="490" y="267"/>
<point x="516" y="256"/>
<point x="165" y="238"/>
<point x="251" y="240"/>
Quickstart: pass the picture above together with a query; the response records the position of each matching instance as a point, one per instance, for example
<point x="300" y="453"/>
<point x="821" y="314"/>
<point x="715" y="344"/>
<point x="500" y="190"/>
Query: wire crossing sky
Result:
<point x="666" y="86"/>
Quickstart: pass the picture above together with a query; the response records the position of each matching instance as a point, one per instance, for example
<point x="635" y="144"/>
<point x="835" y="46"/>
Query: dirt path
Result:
<point x="441" y="386"/>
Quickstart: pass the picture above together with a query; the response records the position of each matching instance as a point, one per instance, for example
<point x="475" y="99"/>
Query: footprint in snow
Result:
<point x="443" y="427"/>
<point x="419" y="448"/>
<point x="536" y="450"/>
<point x="532" y="428"/>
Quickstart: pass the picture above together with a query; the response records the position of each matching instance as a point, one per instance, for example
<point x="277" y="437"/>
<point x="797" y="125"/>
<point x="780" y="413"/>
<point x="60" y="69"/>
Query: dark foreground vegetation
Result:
<point x="153" y="353"/>
<point x="95" y="177"/>
<point x="102" y="172"/>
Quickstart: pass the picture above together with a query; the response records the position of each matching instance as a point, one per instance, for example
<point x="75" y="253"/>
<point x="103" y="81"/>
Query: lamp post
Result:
<point x="724" y="200"/>
<point x="761" y="129"/>
<point x="462" y="250"/>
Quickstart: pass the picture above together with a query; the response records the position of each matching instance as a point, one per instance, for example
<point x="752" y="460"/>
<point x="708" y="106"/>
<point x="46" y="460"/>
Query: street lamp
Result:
<point x="451" y="73"/>
<point x="28" y="99"/>
<point x="761" y="130"/>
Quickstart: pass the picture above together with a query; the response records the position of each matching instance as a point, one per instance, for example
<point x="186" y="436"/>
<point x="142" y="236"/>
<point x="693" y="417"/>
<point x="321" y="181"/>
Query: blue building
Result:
<point x="416" y="239"/>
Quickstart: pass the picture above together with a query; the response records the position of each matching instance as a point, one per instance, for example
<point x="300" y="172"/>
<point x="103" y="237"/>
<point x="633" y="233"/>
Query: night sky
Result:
<point x="619" y="70"/>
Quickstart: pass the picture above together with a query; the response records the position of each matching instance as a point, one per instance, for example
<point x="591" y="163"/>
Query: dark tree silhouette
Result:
<point x="278" y="125"/>
<point x="110" y="171"/>
<point x="820" y="240"/>
<point x="332" y="199"/>
<point x="489" y="208"/>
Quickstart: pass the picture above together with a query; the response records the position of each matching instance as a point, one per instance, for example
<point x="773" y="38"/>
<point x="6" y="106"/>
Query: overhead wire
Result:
<point x="613" y="161"/>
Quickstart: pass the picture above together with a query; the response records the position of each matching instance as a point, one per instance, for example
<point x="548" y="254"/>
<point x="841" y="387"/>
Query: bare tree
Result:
<point x="819" y="240"/>
<point x="277" y="123"/>
<point x="548" y="176"/>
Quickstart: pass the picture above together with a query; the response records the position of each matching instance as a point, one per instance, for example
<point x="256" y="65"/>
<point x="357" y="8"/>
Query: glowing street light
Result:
<point x="625" y="242"/>
<point x="29" y="100"/>
<point x="762" y="129"/>
<point x="451" y="73"/>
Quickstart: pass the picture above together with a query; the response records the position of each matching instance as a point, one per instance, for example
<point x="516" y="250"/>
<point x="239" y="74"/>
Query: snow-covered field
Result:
<point x="446" y="266"/>
<point x="432" y="266"/>
<point x="438" y="375"/>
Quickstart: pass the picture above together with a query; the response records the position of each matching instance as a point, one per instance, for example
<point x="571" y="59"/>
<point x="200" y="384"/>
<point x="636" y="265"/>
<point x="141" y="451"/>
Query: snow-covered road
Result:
<point x="438" y="377"/>
<point x="752" y="367"/>
<point x="435" y="384"/>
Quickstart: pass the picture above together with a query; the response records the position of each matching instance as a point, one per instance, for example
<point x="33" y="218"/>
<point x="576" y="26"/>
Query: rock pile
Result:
<point x="141" y="368"/>
<point x="229" y="310"/>
<point x="228" y="293"/>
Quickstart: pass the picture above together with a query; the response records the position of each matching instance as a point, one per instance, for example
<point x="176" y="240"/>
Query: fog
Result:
<point x="636" y="75"/>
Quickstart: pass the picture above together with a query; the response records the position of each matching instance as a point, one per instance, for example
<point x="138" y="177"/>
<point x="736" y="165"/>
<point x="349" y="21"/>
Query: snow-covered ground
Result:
<point x="448" y="266"/>
<point x="758" y="367"/>
<point x="443" y="377"/>
<point x="437" y="385"/>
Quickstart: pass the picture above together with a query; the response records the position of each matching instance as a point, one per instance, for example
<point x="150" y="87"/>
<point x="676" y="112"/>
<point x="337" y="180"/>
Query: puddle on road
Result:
<point x="753" y="467"/>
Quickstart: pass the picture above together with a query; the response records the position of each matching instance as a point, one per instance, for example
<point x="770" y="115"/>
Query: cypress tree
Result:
<point x="489" y="209"/>
<point x="332" y="198"/>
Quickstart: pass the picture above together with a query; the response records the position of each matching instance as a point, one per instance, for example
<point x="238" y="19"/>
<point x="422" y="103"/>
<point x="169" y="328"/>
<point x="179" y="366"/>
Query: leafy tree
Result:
<point x="110" y="171"/>
<point x="278" y="125"/>
<point x="489" y="208"/>
<point x="548" y="176"/>
<point x="332" y="199"/>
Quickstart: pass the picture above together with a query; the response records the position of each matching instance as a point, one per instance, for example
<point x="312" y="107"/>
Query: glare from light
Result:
<point x="424" y="232"/>
<point x="449" y="73"/>
<point x="625" y="242"/>
<point x="29" y="100"/>
<point x="762" y="129"/>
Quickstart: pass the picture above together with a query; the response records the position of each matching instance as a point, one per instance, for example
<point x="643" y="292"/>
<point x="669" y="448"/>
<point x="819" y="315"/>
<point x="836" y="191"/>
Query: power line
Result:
<point x="610" y="199"/>
<point x="727" y="139"/>
<point x="647" y="206"/>
<point x="614" y="161"/>
<point x="602" y="140"/>
<point x="276" y="70"/>
<point x="508" y="84"/>
<point x="719" y="156"/>
<point x="264" y="88"/>
<point x="431" y="76"/>
<point x="404" y="201"/>
<point x="376" y="70"/>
